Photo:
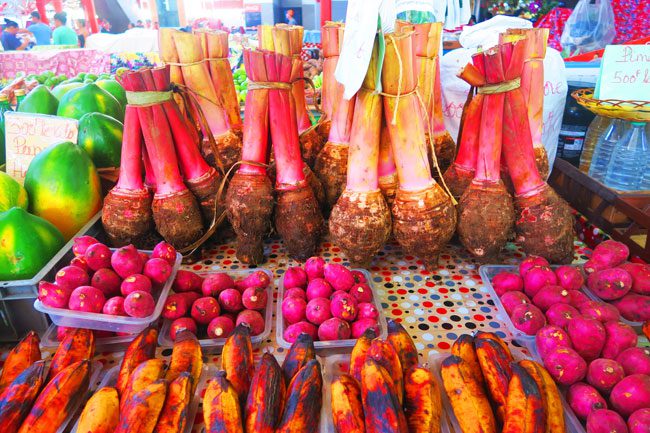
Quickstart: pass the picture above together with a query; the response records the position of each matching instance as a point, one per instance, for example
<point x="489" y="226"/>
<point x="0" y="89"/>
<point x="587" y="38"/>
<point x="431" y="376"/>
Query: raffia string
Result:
<point x="198" y="62"/>
<point x="505" y="86"/>
<point x="147" y="99"/>
<point x="271" y="85"/>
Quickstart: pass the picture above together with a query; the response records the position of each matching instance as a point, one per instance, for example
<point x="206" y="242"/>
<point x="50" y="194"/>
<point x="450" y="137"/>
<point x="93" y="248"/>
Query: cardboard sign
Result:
<point x="625" y="73"/>
<point x="26" y="135"/>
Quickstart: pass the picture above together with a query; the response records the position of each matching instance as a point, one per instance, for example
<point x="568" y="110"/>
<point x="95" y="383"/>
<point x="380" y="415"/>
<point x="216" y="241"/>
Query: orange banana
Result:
<point x="360" y="353"/>
<point x="173" y="417"/>
<point x="403" y="344"/>
<point x="221" y="410"/>
<point x="301" y="412"/>
<point x="101" y="413"/>
<point x="266" y="396"/>
<point x="301" y="351"/>
<point x="463" y="347"/>
<point x="18" y="396"/>
<point x="646" y="329"/>
<point x="480" y="335"/>
<point x="468" y="400"/>
<point x="495" y="366"/>
<point x="524" y="409"/>
<point x="143" y="410"/>
<point x="144" y="375"/>
<point x="142" y="348"/>
<point x="237" y="361"/>
<point x="78" y="344"/>
<point x="347" y="409"/>
<point x="381" y="407"/>
<point x="550" y="396"/>
<point x="386" y="356"/>
<point x="24" y="354"/>
<point x="422" y="401"/>
<point x="186" y="357"/>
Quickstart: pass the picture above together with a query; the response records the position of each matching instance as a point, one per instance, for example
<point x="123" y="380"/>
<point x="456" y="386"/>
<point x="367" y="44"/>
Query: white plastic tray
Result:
<point x="215" y="345"/>
<point x="107" y="322"/>
<point x="638" y="326"/>
<point x="106" y="344"/>
<point x="335" y="344"/>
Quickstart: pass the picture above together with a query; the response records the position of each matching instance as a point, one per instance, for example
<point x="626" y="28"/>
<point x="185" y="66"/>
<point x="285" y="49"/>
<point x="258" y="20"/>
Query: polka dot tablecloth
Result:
<point x="435" y="307"/>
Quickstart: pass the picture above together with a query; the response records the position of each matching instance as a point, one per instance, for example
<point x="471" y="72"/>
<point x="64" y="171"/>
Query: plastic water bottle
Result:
<point x="604" y="149"/>
<point x="629" y="160"/>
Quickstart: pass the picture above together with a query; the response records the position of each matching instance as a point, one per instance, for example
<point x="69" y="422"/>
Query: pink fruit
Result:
<point x="295" y="292"/>
<point x="605" y="421"/>
<point x="528" y="319"/>
<point x="344" y="307"/>
<point x="176" y="306"/>
<point x="52" y="295"/>
<point x="530" y="262"/>
<point x="314" y="267"/>
<point x="360" y="326"/>
<point x="114" y="306"/>
<point x="339" y="277"/>
<point x="139" y="304"/>
<point x="318" y="288"/>
<point x="359" y="277"/>
<point x="81" y="244"/>
<point x="187" y="281"/>
<point x="107" y="281"/>
<point x="164" y="251"/>
<point x="551" y="295"/>
<point x="619" y="337"/>
<point x="158" y="270"/>
<point x="253" y="319"/>
<point x="295" y="277"/>
<point x="334" y="329"/>
<point x="537" y="278"/>
<point x="292" y="332"/>
<point x="144" y="256"/>
<point x="80" y="262"/>
<point x="507" y="282"/>
<point x="639" y="421"/>
<point x="591" y="266"/>
<point x="511" y="300"/>
<point x="635" y="360"/>
<point x="549" y="338"/>
<point x="98" y="256"/>
<point x="190" y="297"/>
<point x="633" y="307"/>
<point x="88" y="299"/>
<point x="230" y="300"/>
<point x="561" y="314"/>
<point x="294" y="309"/>
<point x="361" y="292"/>
<point x="135" y="283"/>
<point x="256" y="279"/>
<point x="221" y="327"/>
<point x="603" y="374"/>
<point x="366" y="310"/>
<point x="584" y="399"/>
<point x="565" y="365"/>
<point x="600" y="311"/>
<point x="204" y="310"/>
<point x="318" y="310"/>
<point x="631" y="394"/>
<point x="180" y="325"/>
<point x="214" y="284"/>
<point x="640" y="274"/>
<point x="577" y="298"/>
<point x="587" y="337"/>
<point x="337" y="293"/>
<point x="126" y="261"/>
<point x="569" y="277"/>
<point x="254" y="298"/>
<point x="71" y="277"/>
<point x="610" y="253"/>
<point x="610" y="284"/>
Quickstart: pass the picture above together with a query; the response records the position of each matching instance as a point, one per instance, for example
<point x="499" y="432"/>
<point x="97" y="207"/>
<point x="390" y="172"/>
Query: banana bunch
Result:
<point x="269" y="399"/>
<point x="489" y="392"/>
<point x="385" y="390"/>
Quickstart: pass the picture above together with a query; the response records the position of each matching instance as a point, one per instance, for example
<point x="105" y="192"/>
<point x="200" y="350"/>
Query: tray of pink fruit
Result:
<point x="211" y="304"/>
<point x="332" y="303"/>
<point x="120" y="290"/>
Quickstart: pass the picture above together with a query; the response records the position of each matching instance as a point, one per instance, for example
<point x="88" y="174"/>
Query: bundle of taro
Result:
<point x="496" y="119"/>
<point x="184" y="186"/>
<point x="332" y="38"/>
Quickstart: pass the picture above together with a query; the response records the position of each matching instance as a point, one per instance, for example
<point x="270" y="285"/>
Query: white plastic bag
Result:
<point x="590" y="27"/>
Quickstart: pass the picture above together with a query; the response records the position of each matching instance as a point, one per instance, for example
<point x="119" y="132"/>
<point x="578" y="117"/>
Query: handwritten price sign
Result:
<point x="625" y="73"/>
<point x="26" y="135"/>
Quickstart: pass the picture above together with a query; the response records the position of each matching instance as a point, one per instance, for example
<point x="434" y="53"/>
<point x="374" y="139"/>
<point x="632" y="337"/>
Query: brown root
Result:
<point x="360" y="225"/>
<point x="388" y="186"/>
<point x="331" y="168"/>
<point x="541" y="161"/>
<point x="311" y="144"/>
<point x="127" y="216"/>
<point x="298" y="221"/>
<point x="229" y="145"/>
<point x="324" y="129"/>
<point x="178" y="218"/>
<point x="445" y="148"/>
<point x="423" y="222"/>
<point x="316" y="186"/>
<point x="205" y="190"/>
<point x="486" y="218"/>
<point x="249" y="204"/>
<point x="457" y="180"/>
<point x="544" y="225"/>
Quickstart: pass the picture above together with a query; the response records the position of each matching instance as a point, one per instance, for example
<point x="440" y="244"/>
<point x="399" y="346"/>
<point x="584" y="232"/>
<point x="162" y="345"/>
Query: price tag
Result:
<point x="26" y="135"/>
<point x="625" y="73"/>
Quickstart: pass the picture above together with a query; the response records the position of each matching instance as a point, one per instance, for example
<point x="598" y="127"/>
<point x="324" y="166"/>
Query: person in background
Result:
<point x="106" y="26"/>
<point x="82" y="32"/>
<point x="290" y="19"/>
<point x="42" y="32"/>
<point x="130" y="26"/>
<point x="63" y="35"/>
<point x="11" y="42"/>
<point x="139" y="24"/>
<point x="156" y="26"/>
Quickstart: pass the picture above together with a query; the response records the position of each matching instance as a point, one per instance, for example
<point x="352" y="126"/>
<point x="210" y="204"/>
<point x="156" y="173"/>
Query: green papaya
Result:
<point x="27" y="243"/>
<point x="89" y="98"/>
<point x="12" y="194"/>
<point x="114" y="88"/>
<point x="64" y="187"/>
<point x="64" y="88"/>
<point x="40" y="101"/>
<point x="101" y="136"/>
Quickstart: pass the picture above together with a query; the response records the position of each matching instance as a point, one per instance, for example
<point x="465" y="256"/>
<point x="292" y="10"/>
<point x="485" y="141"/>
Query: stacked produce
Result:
<point x="327" y="301"/>
<point x="116" y="283"/>
<point x="385" y="389"/>
<point x="490" y="392"/>
<point x="218" y="302"/>
<point x="332" y="38"/>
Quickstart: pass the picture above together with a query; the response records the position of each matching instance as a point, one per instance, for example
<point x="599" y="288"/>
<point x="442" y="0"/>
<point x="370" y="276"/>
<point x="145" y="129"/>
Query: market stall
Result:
<point x="67" y="61"/>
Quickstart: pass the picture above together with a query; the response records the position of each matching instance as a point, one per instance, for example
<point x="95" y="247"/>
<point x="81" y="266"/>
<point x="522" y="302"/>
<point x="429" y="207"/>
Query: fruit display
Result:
<point x="89" y="98"/>
<point x="212" y="305"/>
<point x="100" y="136"/>
<point x="39" y="101"/>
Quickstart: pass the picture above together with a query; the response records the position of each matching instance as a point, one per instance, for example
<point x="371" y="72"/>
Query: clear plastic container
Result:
<point x="107" y="322"/>
<point x="105" y="344"/>
<point x="604" y="148"/>
<point x="597" y="128"/>
<point x="625" y="171"/>
<point x="636" y="325"/>
<point x="335" y="344"/>
<point x="95" y="373"/>
<point x="214" y="345"/>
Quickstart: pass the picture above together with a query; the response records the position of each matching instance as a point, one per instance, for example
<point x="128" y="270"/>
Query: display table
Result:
<point x="69" y="62"/>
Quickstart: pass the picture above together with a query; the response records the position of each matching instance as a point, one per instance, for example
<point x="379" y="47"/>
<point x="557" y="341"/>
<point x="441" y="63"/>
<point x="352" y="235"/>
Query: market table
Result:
<point x="434" y="307"/>
<point x="69" y="62"/>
